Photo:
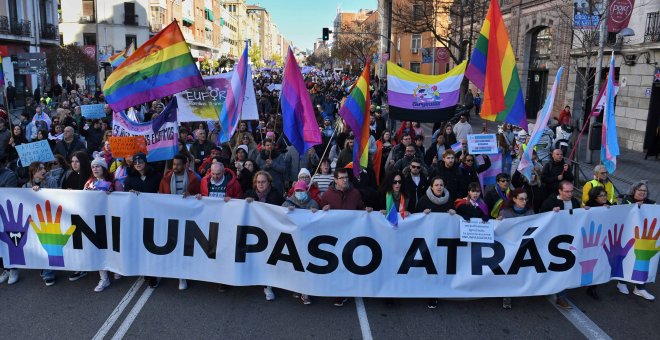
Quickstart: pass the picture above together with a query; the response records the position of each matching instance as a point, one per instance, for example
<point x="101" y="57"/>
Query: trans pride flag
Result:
<point x="356" y="114"/>
<point x="231" y="110"/>
<point x="526" y="164"/>
<point x="162" y="66"/>
<point x="493" y="70"/>
<point x="298" y="119"/>
<point x="609" y="148"/>
<point x="488" y="177"/>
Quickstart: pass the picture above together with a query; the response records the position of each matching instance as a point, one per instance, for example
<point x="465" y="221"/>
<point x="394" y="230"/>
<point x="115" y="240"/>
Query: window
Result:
<point x="416" y="42"/>
<point x="88" y="8"/>
<point x="89" y="39"/>
<point x="130" y="18"/>
<point x="415" y="67"/>
<point x="131" y="40"/>
<point x="418" y="12"/>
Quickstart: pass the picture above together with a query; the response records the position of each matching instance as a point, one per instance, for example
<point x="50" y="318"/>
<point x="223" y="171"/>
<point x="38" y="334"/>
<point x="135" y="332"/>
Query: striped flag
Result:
<point x="231" y="110"/>
<point x="493" y="70"/>
<point x="457" y="147"/>
<point x="162" y="66"/>
<point x="525" y="166"/>
<point x="298" y="119"/>
<point x="609" y="149"/>
<point x="355" y="112"/>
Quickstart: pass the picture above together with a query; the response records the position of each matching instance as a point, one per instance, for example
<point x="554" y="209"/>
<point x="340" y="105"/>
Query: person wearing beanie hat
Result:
<point x="313" y="188"/>
<point x="300" y="199"/>
<point x="100" y="180"/>
<point x="304" y="173"/>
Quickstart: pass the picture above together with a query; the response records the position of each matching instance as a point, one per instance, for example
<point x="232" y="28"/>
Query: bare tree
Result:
<point x="70" y="61"/>
<point x="356" y="41"/>
<point x="319" y="58"/>
<point x="454" y="24"/>
<point x="585" y="40"/>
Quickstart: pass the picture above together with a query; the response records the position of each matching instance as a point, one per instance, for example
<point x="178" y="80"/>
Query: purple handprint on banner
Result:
<point x="14" y="232"/>
<point x="589" y="253"/>
<point x="616" y="252"/>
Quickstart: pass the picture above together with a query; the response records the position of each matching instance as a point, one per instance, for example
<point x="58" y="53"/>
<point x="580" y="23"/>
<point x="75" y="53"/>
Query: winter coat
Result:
<point x="343" y="200"/>
<point x="193" y="183"/>
<point x="273" y="197"/>
<point x="150" y="184"/>
<point x="67" y="149"/>
<point x="233" y="189"/>
<point x="277" y="169"/>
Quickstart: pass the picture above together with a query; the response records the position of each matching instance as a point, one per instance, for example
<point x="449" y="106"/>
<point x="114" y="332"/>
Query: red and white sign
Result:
<point x="441" y="55"/>
<point x="619" y="15"/>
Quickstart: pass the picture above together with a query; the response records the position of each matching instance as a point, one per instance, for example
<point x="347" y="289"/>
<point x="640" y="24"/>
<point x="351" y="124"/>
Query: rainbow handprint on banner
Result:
<point x="645" y="249"/>
<point x="14" y="233"/>
<point x="50" y="234"/>
<point x="589" y="253"/>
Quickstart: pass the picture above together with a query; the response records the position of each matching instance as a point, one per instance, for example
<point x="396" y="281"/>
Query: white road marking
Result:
<point x="132" y="315"/>
<point x="114" y="315"/>
<point x="587" y="327"/>
<point x="362" y="317"/>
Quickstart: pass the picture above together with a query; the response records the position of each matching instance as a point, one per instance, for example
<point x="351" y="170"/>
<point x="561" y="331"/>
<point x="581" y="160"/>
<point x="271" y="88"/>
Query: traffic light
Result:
<point x="326" y="34"/>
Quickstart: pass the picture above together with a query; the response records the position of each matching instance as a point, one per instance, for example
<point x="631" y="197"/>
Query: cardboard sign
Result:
<point x="93" y="111"/>
<point x="477" y="230"/>
<point x="482" y="144"/>
<point x="128" y="146"/>
<point x="35" y="152"/>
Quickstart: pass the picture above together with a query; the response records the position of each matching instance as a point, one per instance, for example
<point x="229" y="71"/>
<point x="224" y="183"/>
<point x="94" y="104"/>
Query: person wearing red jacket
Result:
<point x="220" y="183"/>
<point x="179" y="181"/>
<point x="565" y="114"/>
<point x="203" y="169"/>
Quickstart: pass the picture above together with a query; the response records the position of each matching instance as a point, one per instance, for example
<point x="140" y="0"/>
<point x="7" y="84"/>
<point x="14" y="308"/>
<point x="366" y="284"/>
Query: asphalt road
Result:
<point x="72" y="310"/>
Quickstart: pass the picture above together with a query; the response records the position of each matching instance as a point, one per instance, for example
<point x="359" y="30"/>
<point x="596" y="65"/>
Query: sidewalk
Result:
<point x="631" y="165"/>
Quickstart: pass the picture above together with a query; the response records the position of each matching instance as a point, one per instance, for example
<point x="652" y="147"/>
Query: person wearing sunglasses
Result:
<point x="498" y="196"/>
<point x="471" y="170"/>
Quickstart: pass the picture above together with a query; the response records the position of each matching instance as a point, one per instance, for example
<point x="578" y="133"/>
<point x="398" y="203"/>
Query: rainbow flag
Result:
<point x="162" y="66"/>
<point x="493" y="70"/>
<point x="231" y="110"/>
<point x="393" y="209"/>
<point x="356" y="114"/>
<point x="119" y="57"/>
<point x="298" y="119"/>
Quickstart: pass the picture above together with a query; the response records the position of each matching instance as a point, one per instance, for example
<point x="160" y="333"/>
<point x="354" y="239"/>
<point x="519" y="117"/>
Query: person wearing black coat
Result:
<point x="472" y="206"/>
<point x="450" y="172"/>
<point x="471" y="171"/>
<point x="563" y="201"/>
<point x="415" y="177"/>
<point x="556" y="171"/>
<point x="436" y="198"/>
<point x="263" y="190"/>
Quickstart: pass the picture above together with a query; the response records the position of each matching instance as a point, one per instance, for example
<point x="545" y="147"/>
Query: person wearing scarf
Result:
<point x="497" y="197"/>
<point x="472" y="206"/>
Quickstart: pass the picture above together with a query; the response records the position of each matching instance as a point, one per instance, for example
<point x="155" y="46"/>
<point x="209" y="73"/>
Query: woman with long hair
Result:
<point x="81" y="168"/>
<point x="472" y="206"/>
<point x="392" y="195"/>
<point x="449" y="135"/>
<point x="17" y="138"/>
<point x="101" y="180"/>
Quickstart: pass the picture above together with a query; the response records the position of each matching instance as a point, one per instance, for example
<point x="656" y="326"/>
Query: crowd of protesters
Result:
<point x="258" y="164"/>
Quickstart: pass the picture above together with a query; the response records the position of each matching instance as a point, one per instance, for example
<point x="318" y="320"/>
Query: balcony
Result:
<point x="155" y="27"/>
<point x="49" y="31"/>
<point x="87" y="19"/>
<point x="131" y="19"/>
<point x="21" y="27"/>
<point x="652" y="31"/>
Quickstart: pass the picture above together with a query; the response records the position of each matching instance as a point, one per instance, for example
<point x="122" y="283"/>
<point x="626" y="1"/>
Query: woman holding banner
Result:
<point x="101" y="180"/>
<point x="517" y="206"/>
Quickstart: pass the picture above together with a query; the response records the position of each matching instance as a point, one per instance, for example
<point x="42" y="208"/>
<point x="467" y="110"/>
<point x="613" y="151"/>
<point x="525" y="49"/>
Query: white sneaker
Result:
<point x="270" y="296"/>
<point x="13" y="276"/>
<point x="643" y="293"/>
<point x="623" y="288"/>
<point x="4" y="276"/>
<point x="183" y="284"/>
<point x="103" y="284"/>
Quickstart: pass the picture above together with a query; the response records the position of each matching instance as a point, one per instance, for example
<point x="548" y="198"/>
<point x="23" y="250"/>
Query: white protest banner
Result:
<point x="333" y="253"/>
<point x="203" y="104"/>
<point x="274" y="87"/>
<point x="477" y="231"/>
<point x="482" y="144"/>
<point x="92" y="111"/>
<point x="34" y="152"/>
<point x="161" y="134"/>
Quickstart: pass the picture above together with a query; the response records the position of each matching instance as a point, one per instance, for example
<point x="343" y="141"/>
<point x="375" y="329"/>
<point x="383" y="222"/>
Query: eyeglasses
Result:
<point x="415" y="166"/>
<point x="396" y="182"/>
<point x="522" y="198"/>
<point x="502" y="180"/>
<point x="138" y="161"/>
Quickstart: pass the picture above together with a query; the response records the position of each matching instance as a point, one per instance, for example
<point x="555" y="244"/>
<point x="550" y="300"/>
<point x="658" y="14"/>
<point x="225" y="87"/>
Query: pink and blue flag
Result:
<point x="231" y="110"/>
<point x="298" y="119"/>
<point x="488" y="177"/>
<point x="609" y="148"/>
<point x="525" y="166"/>
<point x="457" y="146"/>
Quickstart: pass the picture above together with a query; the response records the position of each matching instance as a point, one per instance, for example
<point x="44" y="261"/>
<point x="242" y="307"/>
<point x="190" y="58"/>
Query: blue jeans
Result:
<point x="47" y="274"/>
